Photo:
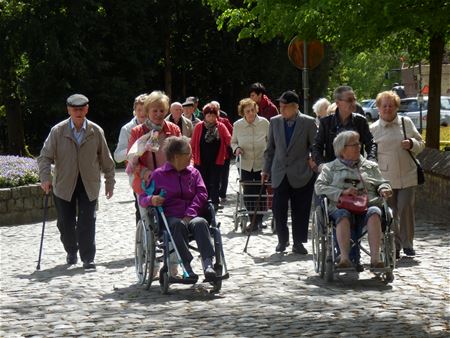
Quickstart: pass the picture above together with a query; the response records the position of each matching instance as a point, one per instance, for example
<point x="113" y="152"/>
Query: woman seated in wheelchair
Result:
<point x="350" y="174"/>
<point x="185" y="199"/>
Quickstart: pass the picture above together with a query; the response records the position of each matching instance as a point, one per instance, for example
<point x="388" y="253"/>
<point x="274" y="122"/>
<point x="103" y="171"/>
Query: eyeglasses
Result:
<point x="349" y="100"/>
<point x="353" y="145"/>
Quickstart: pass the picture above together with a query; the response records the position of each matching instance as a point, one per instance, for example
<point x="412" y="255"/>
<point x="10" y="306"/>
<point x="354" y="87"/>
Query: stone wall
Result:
<point x="433" y="197"/>
<point x="23" y="205"/>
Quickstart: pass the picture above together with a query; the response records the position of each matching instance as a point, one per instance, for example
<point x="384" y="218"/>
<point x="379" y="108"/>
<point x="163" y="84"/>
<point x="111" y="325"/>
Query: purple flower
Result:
<point x="16" y="171"/>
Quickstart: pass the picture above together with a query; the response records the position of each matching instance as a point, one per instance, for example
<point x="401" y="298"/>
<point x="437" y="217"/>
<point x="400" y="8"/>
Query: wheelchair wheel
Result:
<point x="151" y="258"/>
<point x="387" y="251"/>
<point x="318" y="244"/>
<point x="141" y="252"/>
<point x="164" y="281"/>
<point x="217" y="284"/>
<point x="329" y="273"/>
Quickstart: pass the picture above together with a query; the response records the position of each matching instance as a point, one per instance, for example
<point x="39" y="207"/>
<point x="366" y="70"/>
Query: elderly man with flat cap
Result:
<point x="286" y="162"/>
<point x="78" y="149"/>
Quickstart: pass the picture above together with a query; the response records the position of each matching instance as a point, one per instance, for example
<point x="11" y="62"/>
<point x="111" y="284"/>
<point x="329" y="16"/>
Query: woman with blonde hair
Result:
<point x="398" y="142"/>
<point x="153" y="131"/>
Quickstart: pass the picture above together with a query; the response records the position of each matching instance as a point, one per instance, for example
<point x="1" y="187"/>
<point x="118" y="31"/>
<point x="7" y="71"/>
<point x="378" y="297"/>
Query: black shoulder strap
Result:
<point x="404" y="135"/>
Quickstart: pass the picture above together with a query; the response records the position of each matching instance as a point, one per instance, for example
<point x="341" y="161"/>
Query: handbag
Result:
<point x="420" y="172"/>
<point x="355" y="204"/>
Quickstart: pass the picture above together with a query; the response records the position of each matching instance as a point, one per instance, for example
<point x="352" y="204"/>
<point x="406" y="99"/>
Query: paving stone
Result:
<point x="268" y="294"/>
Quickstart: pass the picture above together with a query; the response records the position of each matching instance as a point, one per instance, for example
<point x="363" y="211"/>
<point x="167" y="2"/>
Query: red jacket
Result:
<point x="225" y="139"/>
<point x="266" y="108"/>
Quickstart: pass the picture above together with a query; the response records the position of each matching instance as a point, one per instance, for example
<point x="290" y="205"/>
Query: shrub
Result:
<point x="16" y="171"/>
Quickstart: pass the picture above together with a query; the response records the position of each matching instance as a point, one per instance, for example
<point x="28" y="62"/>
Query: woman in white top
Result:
<point x="397" y="166"/>
<point x="249" y="140"/>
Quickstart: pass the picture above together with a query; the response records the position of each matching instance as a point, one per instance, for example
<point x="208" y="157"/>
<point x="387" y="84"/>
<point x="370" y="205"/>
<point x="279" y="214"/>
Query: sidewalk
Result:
<point x="267" y="295"/>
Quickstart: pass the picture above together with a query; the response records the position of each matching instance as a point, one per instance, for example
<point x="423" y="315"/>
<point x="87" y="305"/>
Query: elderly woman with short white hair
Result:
<point x="352" y="174"/>
<point x="320" y="108"/>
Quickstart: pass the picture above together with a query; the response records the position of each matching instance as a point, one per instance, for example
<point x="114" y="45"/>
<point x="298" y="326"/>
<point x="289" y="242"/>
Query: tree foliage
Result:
<point x="418" y="29"/>
<point x="112" y="51"/>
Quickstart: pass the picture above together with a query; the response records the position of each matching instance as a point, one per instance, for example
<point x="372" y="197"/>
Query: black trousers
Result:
<point x="225" y="172"/>
<point x="250" y="202"/>
<point x="300" y="209"/>
<point x="211" y="176"/>
<point x="198" y="227"/>
<point x="77" y="230"/>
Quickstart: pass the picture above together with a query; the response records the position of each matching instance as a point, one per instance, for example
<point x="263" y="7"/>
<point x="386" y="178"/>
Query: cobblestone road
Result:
<point x="267" y="295"/>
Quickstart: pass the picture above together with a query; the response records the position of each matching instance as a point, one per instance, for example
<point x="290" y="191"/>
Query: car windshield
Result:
<point x="445" y="103"/>
<point x="366" y="103"/>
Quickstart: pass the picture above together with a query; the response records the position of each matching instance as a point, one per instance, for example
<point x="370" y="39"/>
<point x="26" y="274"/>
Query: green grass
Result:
<point x="444" y="136"/>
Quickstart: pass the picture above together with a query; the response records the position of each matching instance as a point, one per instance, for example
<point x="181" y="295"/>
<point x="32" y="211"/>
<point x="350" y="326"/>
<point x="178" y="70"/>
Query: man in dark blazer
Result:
<point x="286" y="162"/>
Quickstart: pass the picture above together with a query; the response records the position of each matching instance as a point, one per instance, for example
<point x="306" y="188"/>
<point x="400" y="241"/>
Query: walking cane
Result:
<point x="252" y="224"/>
<point x="38" y="267"/>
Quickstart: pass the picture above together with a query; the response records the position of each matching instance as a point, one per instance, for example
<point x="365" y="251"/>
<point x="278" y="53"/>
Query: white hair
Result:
<point x="320" y="104"/>
<point x="341" y="140"/>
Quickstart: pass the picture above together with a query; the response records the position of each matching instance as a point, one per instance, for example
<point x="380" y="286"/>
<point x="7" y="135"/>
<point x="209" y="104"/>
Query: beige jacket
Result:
<point x="252" y="139"/>
<point x="395" y="164"/>
<point x="187" y="126"/>
<point x="70" y="159"/>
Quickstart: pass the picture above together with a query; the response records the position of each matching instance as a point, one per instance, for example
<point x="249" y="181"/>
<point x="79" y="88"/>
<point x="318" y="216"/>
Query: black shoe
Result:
<point x="409" y="251"/>
<point x="72" y="258"/>
<point x="300" y="249"/>
<point x="281" y="246"/>
<point x="192" y="277"/>
<point x="89" y="265"/>
<point x="210" y="273"/>
<point x="397" y="254"/>
<point x="359" y="267"/>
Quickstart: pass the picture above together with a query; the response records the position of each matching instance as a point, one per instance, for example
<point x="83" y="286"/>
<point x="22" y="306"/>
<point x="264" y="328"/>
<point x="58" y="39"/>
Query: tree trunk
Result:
<point x="168" y="67"/>
<point x="16" y="138"/>
<point x="434" y="97"/>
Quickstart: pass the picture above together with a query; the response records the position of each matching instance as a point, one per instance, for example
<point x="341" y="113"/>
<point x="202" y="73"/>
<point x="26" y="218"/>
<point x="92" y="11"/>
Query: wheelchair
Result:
<point x="326" y="251"/>
<point x="154" y="246"/>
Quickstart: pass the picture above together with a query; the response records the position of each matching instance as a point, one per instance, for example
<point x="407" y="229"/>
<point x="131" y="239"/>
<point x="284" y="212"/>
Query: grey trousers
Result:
<point x="402" y="203"/>
<point x="199" y="228"/>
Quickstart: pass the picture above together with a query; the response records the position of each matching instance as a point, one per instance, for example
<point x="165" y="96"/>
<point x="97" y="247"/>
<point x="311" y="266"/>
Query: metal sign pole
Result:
<point x="305" y="78"/>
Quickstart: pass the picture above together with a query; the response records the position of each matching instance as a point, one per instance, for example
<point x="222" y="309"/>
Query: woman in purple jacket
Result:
<point x="185" y="199"/>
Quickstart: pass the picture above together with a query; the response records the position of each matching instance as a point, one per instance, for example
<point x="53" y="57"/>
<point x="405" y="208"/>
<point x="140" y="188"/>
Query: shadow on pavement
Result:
<point x="121" y="263"/>
<point x="279" y="258"/>
<point x="56" y="271"/>
<point x="347" y="281"/>
<point x="138" y="293"/>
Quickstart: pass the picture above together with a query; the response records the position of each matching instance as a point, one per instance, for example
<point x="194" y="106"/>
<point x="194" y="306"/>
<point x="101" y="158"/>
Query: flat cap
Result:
<point x="188" y="103"/>
<point x="77" y="100"/>
<point x="192" y="98"/>
<point x="289" y="97"/>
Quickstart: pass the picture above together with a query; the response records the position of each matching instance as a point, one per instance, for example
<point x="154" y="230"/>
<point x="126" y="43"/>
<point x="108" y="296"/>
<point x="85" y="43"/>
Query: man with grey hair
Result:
<point x="344" y="118"/>
<point x="78" y="149"/>
<point x="176" y="116"/>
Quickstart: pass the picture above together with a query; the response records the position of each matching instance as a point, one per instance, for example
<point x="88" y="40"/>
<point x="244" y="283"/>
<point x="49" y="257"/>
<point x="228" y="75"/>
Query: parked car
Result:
<point x="410" y="107"/>
<point x="370" y="109"/>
